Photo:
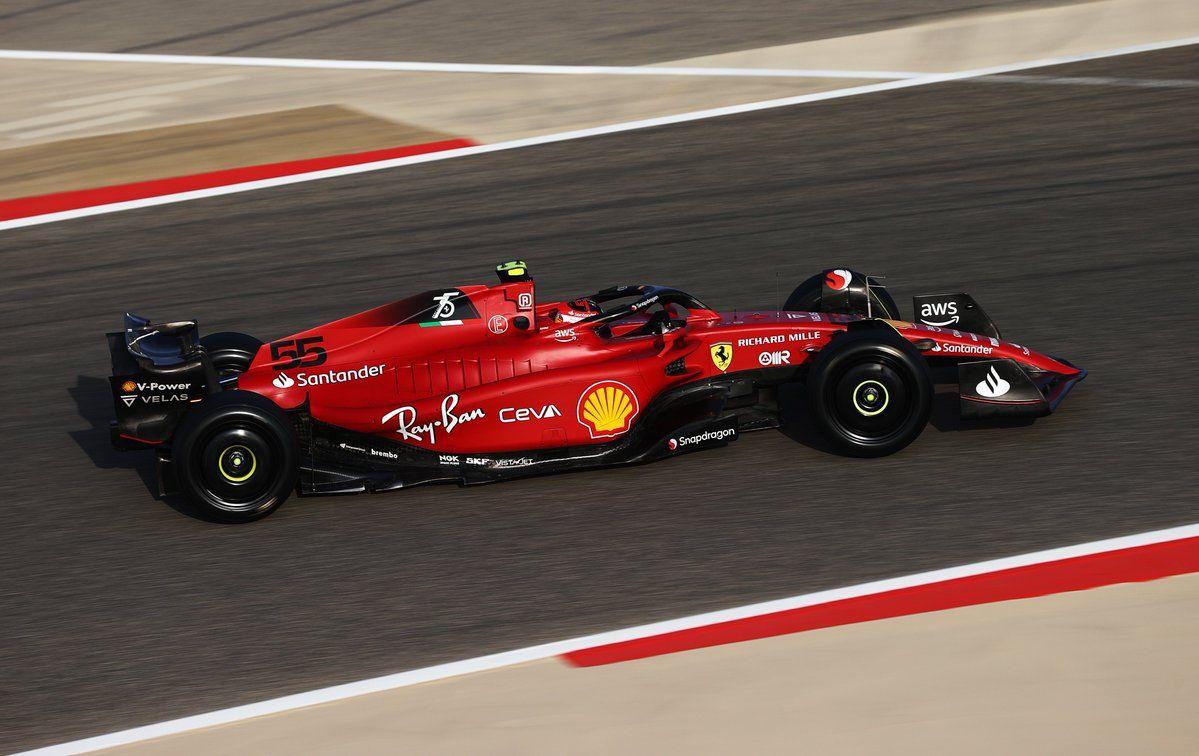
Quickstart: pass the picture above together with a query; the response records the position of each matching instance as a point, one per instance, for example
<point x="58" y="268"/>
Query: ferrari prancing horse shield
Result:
<point x="722" y="355"/>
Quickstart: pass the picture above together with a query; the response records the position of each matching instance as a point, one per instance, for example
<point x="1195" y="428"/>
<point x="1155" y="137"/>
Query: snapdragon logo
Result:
<point x="284" y="381"/>
<point x="709" y="435"/>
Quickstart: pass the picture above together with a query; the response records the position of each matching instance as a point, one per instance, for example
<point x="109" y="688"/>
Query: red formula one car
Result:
<point x="477" y="384"/>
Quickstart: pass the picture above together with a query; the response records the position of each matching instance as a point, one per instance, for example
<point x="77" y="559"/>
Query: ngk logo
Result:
<point x="773" y="359"/>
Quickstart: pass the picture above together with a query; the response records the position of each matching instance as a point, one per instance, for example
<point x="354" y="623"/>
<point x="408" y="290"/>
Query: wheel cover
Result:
<point x="872" y="399"/>
<point x="236" y="465"/>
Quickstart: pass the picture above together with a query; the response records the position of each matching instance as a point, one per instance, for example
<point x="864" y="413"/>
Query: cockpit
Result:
<point x="616" y="312"/>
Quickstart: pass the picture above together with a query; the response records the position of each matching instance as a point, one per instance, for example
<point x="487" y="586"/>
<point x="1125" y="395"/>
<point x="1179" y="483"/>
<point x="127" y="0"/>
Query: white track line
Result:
<point x="549" y="650"/>
<point x="92" y="123"/>
<point x="477" y="68"/>
<point x="153" y="89"/>
<point x="596" y="131"/>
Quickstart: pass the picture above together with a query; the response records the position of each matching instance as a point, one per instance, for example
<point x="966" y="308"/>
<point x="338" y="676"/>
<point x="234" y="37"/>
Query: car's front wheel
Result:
<point x="870" y="392"/>
<point x="236" y="456"/>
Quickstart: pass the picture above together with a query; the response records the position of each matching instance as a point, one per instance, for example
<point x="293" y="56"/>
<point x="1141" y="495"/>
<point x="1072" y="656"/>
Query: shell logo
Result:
<point x="607" y="408"/>
<point x="128" y="386"/>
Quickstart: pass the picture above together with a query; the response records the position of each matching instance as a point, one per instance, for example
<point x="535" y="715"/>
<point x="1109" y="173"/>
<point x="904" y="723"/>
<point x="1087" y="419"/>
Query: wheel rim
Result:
<point x="870" y="398"/>
<point x="873" y="400"/>
<point x="237" y="463"/>
<point x="237" y="466"/>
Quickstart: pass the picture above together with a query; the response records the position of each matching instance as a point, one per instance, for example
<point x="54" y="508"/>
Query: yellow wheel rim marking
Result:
<point x="882" y="390"/>
<point x="237" y="478"/>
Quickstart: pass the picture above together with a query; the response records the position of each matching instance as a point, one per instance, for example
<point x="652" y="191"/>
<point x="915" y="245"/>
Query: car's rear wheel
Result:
<point x="870" y="392"/>
<point x="236" y="456"/>
<point x="231" y="353"/>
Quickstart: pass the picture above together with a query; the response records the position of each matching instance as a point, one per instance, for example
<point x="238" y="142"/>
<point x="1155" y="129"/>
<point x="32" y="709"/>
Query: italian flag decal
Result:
<point x="435" y="323"/>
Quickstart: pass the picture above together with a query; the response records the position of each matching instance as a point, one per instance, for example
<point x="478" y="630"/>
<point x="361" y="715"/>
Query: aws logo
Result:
<point x="947" y="311"/>
<point x="607" y="409"/>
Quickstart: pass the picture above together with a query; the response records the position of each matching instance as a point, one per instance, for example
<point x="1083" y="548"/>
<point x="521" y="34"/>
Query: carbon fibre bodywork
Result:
<point x="477" y="384"/>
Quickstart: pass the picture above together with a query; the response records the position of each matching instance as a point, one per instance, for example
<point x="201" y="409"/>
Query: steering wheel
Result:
<point x="660" y="322"/>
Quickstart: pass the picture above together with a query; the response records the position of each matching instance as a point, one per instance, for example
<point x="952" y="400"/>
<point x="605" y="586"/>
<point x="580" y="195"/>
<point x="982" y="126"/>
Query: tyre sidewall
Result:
<point x="806" y="297"/>
<point x="231" y="351"/>
<point x="850" y="351"/>
<point x="221" y="411"/>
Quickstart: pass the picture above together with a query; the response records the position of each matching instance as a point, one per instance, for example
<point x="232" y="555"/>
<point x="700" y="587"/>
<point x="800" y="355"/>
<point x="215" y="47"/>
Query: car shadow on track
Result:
<point x="93" y="401"/>
<point x="946" y="417"/>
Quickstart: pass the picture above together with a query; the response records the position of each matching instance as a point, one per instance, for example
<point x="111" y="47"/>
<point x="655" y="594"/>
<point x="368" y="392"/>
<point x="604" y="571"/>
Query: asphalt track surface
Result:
<point x="618" y="32"/>
<point x="1068" y="211"/>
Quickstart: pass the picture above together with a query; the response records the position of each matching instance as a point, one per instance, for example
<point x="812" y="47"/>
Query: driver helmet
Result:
<point x="576" y="310"/>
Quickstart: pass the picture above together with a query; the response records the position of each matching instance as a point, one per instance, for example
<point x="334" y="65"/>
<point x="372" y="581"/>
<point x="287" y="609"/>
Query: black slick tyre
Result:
<point x="236" y="457"/>
<point x="807" y="298"/>
<point x="870" y="392"/>
<point x="231" y="352"/>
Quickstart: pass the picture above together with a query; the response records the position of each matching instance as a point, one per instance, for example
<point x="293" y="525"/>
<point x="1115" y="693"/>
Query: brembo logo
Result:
<point x="992" y="386"/>
<point x="284" y="381"/>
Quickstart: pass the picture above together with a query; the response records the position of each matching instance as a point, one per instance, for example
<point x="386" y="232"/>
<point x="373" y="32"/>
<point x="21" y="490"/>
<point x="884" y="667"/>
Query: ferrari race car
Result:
<point x="477" y="384"/>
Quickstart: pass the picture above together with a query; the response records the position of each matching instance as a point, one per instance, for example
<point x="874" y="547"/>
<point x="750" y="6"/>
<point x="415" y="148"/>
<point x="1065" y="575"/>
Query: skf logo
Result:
<point x="722" y="355"/>
<point x="607" y="409"/>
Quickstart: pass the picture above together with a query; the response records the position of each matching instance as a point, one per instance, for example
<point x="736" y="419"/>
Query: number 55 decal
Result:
<point x="298" y="352"/>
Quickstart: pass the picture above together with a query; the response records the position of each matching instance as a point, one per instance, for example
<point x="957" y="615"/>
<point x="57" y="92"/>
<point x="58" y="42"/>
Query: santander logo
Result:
<point x="992" y="386"/>
<point x="838" y="280"/>
<point x="283" y="380"/>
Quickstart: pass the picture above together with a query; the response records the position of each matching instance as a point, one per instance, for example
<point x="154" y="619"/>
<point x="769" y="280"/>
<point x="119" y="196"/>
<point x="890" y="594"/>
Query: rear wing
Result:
<point x="958" y="311"/>
<point x="158" y="369"/>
